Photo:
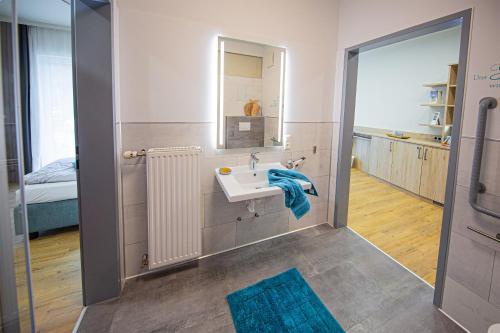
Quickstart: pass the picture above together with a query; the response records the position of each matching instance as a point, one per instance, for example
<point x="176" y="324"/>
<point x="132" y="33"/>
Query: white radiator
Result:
<point x="174" y="203"/>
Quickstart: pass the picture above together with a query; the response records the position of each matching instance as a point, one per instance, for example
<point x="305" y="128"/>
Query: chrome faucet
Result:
<point x="253" y="160"/>
<point x="290" y="164"/>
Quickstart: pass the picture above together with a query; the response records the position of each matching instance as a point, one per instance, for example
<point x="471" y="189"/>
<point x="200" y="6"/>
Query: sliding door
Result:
<point x="15" y="276"/>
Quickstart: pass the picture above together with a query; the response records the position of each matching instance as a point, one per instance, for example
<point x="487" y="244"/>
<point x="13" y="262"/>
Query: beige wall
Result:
<point x="167" y="55"/>
<point x="473" y="275"/>
<point x="242" y="65"/>
<point x="166" y="75"/>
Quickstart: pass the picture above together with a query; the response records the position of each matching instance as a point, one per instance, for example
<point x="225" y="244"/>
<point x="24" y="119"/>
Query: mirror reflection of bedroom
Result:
<point x="46" y="86"/>
<point x="402" y="132"/>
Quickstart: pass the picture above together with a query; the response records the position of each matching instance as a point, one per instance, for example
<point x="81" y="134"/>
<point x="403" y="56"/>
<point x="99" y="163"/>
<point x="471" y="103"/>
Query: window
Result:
<point x="51" y="95"/>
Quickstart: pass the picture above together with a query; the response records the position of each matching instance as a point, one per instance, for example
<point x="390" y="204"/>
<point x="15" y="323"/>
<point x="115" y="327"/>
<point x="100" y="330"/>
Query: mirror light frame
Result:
<point x="220" y="90"/>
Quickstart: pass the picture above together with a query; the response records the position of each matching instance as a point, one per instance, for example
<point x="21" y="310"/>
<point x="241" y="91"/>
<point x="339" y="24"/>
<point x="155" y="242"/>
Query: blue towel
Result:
<point x="295" y="197"/>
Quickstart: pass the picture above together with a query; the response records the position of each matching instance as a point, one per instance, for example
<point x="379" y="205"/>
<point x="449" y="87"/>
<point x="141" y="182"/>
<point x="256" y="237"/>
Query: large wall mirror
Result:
<point x="250" y="100"/>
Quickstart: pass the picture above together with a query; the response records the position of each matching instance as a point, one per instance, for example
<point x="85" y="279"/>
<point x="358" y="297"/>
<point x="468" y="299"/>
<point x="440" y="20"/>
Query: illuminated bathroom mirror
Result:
<point x="250" y="94"/>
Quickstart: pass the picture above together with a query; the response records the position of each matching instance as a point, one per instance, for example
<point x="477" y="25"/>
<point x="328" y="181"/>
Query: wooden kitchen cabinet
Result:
<point x="361" y="150"/>
<point x="406" y="165"/>
<point x="381" y="158"/>
<point x="434" y="173"/>
<point x="415" y="168"/>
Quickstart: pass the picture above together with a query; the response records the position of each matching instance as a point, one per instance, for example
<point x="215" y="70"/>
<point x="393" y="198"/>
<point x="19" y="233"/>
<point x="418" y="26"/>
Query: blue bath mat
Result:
<point x="283" y="303"/>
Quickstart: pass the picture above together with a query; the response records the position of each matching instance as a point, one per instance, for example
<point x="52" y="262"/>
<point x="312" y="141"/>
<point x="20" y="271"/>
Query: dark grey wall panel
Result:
<point x="244" y="139"/>
<point x="96" y="149"/>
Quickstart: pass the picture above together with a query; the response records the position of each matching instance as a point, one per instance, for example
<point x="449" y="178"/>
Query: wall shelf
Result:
<point x="437" y="105"/>
<point x="432" y="126"/>
<point x="435" y="84"/>
<point x="448" y="104"/>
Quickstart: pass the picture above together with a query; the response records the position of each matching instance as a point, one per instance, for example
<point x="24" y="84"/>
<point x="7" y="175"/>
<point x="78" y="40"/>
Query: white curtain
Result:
<point x="51" y="96"/>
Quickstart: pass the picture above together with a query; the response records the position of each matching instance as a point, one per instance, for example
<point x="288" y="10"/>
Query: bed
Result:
<point x="51" y="196"/>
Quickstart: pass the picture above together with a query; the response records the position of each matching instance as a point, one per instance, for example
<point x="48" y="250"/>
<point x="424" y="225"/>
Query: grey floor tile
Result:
<point x="364" y="289"/>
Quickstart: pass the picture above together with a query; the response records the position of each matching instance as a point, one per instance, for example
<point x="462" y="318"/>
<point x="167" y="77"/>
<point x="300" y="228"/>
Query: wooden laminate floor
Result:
<point x="404" y="226"/>
<point x="57" y="286"/>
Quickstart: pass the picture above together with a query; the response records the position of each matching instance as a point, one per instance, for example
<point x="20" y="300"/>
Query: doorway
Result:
<point x="397" y="157"/>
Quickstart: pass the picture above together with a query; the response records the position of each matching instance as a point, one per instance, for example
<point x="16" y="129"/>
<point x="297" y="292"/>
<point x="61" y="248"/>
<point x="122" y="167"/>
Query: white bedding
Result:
<point x="49" y="192"/>
<point x="62" y="170"/>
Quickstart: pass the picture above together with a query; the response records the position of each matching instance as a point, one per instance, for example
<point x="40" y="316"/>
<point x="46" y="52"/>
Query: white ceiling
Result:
<point x="42" y="12"/>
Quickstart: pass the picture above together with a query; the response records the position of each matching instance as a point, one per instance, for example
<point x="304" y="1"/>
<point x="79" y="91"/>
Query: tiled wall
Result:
<point x="472" y="287"/>
<point x="222" y="229"/>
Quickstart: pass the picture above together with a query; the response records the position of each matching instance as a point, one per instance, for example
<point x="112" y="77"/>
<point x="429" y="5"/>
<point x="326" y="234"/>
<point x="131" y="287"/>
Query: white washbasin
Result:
<point x="245" y="184"/>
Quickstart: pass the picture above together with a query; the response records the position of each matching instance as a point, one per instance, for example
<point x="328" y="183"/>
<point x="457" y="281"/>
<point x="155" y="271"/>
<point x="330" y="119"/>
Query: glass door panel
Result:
<point x="15" y="279"/>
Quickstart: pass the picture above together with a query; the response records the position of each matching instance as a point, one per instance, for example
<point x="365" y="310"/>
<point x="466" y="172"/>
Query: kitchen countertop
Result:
<point x="423" y="142"/>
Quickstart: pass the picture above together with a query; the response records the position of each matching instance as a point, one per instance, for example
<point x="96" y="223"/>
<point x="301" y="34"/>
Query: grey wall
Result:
<point x="8" y="102"/>
<point x="96" y="149"/>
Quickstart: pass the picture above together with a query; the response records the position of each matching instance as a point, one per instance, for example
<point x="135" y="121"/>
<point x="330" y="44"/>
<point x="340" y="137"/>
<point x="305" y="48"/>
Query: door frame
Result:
<point x="351" y="57"/>
<point x="91" y="24"/>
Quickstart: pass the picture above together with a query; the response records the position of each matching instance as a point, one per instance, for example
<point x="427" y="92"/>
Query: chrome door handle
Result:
<point x="425" y="153"/>
<point x="476" y="186"/>
<point x="419" y="150"/>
